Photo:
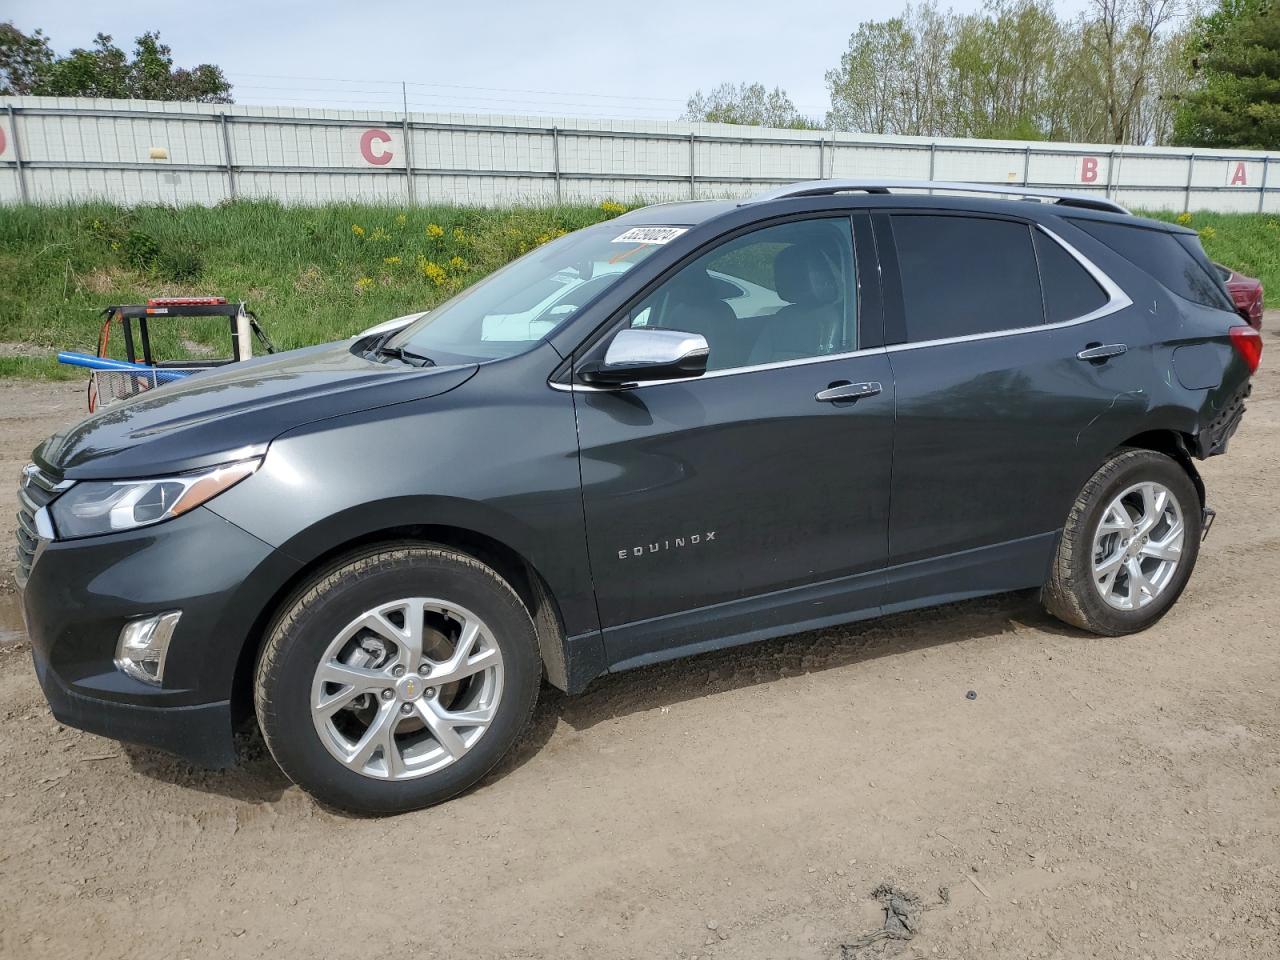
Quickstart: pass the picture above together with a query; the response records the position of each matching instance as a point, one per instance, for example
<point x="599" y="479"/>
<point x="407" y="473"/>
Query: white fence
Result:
<point x="55" y="150"/>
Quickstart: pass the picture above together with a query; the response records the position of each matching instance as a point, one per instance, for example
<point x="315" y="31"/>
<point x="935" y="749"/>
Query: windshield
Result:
<point x="513" y="308"/>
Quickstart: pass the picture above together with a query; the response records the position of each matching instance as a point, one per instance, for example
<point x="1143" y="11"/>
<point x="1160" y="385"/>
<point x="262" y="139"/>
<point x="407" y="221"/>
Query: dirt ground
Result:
<point x="1098" y="798"/>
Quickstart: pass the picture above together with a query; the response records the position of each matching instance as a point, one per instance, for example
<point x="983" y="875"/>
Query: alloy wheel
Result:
<point x="1138" y="545"/>
<point x="407" y="688"/>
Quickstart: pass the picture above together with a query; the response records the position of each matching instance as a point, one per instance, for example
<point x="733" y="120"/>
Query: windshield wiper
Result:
<point x="403" y="355"/>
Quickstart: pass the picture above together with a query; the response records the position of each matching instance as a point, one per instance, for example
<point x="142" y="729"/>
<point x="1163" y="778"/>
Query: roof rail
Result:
<point x="820" y="188"/>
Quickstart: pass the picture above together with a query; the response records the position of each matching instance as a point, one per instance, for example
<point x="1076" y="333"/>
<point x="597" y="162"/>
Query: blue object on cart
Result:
<point x="162" y="374"/>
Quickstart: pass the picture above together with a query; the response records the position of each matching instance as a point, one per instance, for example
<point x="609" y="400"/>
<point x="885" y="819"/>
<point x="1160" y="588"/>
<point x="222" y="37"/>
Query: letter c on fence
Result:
<point x="1088" y="169"/>
<point x="368" y="139"/>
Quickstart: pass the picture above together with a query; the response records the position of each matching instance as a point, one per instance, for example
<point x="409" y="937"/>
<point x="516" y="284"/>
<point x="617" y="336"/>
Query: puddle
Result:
<point x="12" y="632"/>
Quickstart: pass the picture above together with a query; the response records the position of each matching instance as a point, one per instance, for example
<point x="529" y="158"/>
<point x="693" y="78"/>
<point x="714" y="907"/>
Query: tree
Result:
<point x="1235" y="100"/>
<point x="1122" y="43"/>
<point x="28" y="66"/>
<point x="22" y="59"/>
<point x="1015" y="70"/>
<point x="747" y="103"/>
<point x="1002" y="65"/>
<point x="892" y="77"/>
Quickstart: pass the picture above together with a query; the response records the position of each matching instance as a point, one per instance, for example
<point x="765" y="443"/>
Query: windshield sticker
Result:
<point x="650" y="235"/>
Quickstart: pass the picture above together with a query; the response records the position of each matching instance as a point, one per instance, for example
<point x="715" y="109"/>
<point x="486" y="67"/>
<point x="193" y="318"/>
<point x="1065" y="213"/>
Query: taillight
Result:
<point x="1248" y="343"/>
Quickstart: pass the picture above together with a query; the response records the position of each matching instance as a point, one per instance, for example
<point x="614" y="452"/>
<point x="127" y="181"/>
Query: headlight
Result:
<point x="96" y="507"/>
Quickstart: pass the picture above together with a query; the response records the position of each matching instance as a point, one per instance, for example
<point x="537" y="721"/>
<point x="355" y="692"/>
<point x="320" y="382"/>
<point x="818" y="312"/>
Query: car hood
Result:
<point x="235" y="411"/>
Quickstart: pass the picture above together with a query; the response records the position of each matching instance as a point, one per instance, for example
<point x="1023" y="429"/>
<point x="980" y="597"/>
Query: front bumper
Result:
<point x="201" y="733"/>
<point x="80" y="593"/>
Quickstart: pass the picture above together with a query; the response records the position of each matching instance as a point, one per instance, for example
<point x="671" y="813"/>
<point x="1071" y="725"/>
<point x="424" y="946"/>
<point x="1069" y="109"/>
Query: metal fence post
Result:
<point x="17" y="154"/>
<point x="1026" y="166"/>
<point x="933" y="155"/>
<point x="693" y="184"/>
<point x="226" y="157"/>
<point x="555" y="158"/>
<point x="410" y="188"/>
<point x="1111" y="171"/>
<point x="1262" y="191"/>
<point x="822" y="164"/>
<point x="1191" y="170"/>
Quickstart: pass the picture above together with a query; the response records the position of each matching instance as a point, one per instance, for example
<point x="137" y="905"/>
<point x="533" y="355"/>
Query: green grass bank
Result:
<point x="315" y="273"/>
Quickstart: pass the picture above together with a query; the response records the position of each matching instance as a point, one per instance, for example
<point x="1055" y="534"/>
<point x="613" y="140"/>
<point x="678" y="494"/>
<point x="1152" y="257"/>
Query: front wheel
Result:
<point x="1128" y="547"/>
<point x="397" y="678"/>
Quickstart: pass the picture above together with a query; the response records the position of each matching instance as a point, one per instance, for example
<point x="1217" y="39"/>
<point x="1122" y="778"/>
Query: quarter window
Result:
<point x="966" y="275"/>
<point x="1185" y="270"/>
<point x="786" y="292"/>
<point x="1069" y="290"/>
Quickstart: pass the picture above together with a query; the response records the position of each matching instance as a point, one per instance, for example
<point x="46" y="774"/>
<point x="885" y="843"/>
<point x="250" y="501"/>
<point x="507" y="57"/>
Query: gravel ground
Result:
<point x="1099" y="797"/>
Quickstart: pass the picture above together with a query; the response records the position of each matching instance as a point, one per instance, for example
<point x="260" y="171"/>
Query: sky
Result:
<point x="573" y="59"/>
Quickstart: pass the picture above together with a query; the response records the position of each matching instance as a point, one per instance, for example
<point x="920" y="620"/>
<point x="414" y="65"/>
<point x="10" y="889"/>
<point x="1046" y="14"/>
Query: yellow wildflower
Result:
<point x="391" y="261"/>
<point x="1208" y="233"/>
<point x="1184" y="218"/>
<point x="435" y="231"/>
<point x="612" y="207"/>
<point x="401" y="219"/>
<point x="433" y="272"/>
<point x="378" y="234"/>
<point x="457" y="263"/>
<point x="363" y="284"/>
<point x="460" y="235"/>
<point x="357" y="230"/>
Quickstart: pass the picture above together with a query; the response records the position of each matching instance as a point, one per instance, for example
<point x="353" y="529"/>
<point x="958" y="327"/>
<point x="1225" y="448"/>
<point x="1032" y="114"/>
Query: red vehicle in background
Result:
<point x="1246" y="292"/>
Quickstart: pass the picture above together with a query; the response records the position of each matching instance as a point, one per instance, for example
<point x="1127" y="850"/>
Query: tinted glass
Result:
<point x="966" y="275"/>
<point x="1069" y="291"/>
<point x="1165" y="258"/>
<point x="510" y="310"/>
<point x="782" y="293"/>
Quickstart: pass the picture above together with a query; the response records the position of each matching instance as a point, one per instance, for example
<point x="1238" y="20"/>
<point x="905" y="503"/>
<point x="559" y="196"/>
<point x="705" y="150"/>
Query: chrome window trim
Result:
<point x="714" y="374"/>
<point x="1117" y="300"/>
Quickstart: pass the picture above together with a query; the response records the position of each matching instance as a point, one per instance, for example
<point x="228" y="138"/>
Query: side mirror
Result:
<point x="638" y="354"/>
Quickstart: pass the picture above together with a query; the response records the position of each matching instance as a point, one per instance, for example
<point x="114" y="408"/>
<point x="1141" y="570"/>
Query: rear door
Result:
<point x="744" y="500"/>
<point x="992" y="398"/>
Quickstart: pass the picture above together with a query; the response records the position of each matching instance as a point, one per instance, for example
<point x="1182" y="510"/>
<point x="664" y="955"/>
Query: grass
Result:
<point x="311" y="274"/>
<point x="315" y="273"/>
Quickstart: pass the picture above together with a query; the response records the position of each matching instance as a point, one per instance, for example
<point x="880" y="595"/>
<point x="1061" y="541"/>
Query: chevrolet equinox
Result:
<point x="701" y="424"/>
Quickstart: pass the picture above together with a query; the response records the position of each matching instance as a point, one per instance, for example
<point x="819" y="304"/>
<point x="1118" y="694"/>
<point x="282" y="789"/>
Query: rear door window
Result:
<point x="1069" y="290"/>
<point x="966" y="275"/>
<point x="1163" y="256"/>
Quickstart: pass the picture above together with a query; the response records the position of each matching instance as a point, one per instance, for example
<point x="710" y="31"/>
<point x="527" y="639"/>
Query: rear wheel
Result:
<point x="1128" y="547"/>
<point x="397" y="678"/>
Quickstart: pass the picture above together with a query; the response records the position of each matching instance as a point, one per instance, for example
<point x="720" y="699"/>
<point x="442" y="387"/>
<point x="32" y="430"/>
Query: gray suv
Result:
<point x="698" y="425"/>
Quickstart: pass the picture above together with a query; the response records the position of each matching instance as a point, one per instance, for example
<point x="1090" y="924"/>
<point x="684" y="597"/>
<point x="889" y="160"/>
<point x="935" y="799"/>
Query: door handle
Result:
<point x="848" y="391"/>
<point x="1102" y="352"/>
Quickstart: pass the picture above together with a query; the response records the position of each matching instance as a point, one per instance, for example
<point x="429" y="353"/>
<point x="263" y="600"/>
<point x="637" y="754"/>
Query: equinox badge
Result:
<point x="659" y="546"/>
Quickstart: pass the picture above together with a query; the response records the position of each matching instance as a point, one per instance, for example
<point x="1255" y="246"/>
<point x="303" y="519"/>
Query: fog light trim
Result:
<point x="144" y="645"/>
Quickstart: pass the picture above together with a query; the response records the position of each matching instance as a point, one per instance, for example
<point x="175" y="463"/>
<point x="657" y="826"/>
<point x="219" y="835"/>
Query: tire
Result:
<point x="389" y="737"/>
<point x="1073" y="595"/>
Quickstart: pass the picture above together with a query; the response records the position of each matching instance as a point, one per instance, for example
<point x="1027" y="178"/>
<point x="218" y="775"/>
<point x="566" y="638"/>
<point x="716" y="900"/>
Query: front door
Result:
<point x="724" y="507"/>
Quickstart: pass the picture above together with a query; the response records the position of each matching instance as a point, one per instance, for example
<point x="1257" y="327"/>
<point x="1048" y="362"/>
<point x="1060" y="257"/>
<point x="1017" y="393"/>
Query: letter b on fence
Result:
<point x="1088" y="169"/>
